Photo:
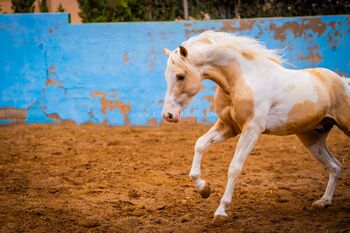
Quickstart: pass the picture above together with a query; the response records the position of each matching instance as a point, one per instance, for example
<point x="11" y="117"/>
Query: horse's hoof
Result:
<point x="205" y="191"/>
<point x="321" y="204"/>
<point x="219" y="220"/>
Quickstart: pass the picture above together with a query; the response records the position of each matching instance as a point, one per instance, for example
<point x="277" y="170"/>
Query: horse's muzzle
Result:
<point x="170" y="117"/>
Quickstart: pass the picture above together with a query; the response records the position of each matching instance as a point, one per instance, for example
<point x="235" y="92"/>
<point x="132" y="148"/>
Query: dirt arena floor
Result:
<point x="69" y="178"/>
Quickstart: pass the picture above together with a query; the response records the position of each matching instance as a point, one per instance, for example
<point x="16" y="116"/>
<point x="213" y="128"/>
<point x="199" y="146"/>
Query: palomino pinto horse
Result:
<point x="255" y="95"/>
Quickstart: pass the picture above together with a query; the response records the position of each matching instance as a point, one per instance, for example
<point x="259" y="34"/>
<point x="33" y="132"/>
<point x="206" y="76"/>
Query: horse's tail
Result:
<point x="346" y="80"/>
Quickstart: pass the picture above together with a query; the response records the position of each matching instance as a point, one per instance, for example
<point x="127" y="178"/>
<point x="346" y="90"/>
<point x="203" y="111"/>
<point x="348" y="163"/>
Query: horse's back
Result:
<point x="305" y="98"/>
<point x="334" y="86"/>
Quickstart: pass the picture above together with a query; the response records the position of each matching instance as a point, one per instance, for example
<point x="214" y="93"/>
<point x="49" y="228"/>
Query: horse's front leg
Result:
<point x="219" y="132"/>
<point x="245" y="144"/>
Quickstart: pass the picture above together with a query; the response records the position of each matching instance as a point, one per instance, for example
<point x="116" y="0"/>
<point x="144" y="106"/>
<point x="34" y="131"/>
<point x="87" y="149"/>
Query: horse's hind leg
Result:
<point x="218" y="133"/>
<point x="343" y="114"/>
<point x="316" y="143"/>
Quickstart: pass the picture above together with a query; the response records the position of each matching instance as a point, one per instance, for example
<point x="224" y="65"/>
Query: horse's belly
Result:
<point x="301" y="117"/>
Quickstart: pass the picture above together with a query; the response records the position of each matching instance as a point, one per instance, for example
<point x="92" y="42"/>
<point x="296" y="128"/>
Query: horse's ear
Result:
<point x="183" y="51"/>
<point x="167" y="51"/>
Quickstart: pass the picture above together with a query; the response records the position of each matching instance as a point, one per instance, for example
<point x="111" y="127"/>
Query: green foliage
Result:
<point x="128" y="10"/>
<point x="161" y="10"/>
<point x="23" y="6"/>
<point x="43" y="6"/>
<point x="286" y="8"/>
<point x="167" y="10"/>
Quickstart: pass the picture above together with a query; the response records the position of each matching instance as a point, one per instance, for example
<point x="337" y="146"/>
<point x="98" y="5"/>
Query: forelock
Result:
<point x="177" y="63"/>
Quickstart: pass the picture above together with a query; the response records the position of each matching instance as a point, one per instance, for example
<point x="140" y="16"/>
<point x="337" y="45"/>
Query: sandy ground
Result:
<point x="68" y="178"/>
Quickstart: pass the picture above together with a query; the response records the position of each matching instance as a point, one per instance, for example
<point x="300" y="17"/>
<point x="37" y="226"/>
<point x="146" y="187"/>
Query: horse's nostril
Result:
<point x="170" y="116"/>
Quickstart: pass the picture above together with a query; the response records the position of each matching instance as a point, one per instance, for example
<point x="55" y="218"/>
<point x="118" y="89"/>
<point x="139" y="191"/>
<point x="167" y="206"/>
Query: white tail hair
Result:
<point x="347" y="80"/>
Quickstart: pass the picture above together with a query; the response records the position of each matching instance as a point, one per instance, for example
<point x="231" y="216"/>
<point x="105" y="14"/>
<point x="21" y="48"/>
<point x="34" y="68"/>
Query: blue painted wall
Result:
<point x="114" y="72"/>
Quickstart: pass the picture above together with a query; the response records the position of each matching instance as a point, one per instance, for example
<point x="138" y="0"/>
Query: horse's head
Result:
<point x="183" y="82"/>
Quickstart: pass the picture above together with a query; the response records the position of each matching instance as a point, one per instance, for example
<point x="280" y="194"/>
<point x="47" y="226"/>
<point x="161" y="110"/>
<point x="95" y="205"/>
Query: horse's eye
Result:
<point x="180" y="77"/>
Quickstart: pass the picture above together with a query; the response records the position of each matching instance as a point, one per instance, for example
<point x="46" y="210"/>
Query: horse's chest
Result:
<point x="235" y="113"/>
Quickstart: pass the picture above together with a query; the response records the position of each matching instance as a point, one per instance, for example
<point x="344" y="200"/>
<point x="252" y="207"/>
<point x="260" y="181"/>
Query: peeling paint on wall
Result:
<point x="313" y="56"/>
<point x="314" y="26"/>
<point x="126" y="58"/>
<point x="111" y="105"/>
<point x="243" y="24"/>
<point x="211" y="100"/>
<point x="52" y="81"/>
<point x="55" y="117"/>
<point x="152" y="122"/>
<point x="113" y="73"/>
<point x="13" y="114"/>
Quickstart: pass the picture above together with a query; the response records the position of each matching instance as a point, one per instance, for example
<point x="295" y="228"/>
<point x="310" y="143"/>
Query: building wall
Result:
<point x="113" y="73"/>
<point x="5" y="7"/>
<point x="70" y="6"/>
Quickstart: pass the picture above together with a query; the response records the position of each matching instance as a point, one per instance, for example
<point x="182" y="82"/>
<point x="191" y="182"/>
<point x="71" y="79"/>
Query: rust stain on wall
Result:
<point x="312" y="58"/>
<point x="14" y="114"/>
<point x="336" y="36"/>
<point x="244" y="24"/>
<point x="332" y="41"/>
<point x="205" y="112"/>
<point x="211" y="100"/>
<point x="152" y="122"/>
<point x="152" y="57"/>
<point x="228" y="25"/>
<point x="54" y="116"/>
<point x="194" y="31"/>
<point x="124" y="109"/>
<point x="98" y="93"/>
<point x="314" y="55"/>
<point x="126" y="58"/>
<point x="316" y="25"/>
<point x="51" y="81"/>
<point x="51" y="70"/>
<point x="111" y="105"/>
<point x="332" y="25"/>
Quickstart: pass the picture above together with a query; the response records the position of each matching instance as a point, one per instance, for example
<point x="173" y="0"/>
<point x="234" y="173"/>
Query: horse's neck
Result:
<point x="225" y="73"/>
<point x="229" y="69"/>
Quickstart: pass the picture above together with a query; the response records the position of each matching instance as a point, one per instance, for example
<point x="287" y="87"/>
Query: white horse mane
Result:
<point x="246" y="46"/>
